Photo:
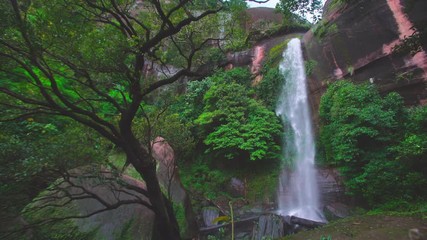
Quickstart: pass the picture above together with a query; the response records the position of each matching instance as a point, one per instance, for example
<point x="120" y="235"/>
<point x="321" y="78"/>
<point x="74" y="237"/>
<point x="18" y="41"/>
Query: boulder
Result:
<point x="237" y="188"/>
<point x="331" y="186"/>
<point x="168" y="176"/>
<point x="269" y="226"/>
<point x="91" y="203"/>
<point x="100" y="204"/>
<point x="337" y="210"/>
<point x="209" y="215"/>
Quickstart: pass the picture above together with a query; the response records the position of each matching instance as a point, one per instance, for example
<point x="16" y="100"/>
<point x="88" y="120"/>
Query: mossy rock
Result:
<point x="56" y="217"/>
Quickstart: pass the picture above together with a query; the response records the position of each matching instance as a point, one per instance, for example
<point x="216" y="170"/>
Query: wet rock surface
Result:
<point x="356" y="41"/>
<point x="237" y="187"/>
<point x="209" y="215"/>
<point x="337" y="210"/>
<point x="269" y="226"/>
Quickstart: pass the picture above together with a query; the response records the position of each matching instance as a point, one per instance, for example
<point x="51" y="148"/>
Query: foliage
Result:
<point x="274" y="56"/>
<point x="292" y="8"/>
<point x="35" y="151"/>
<point x="98" y="62"/>
<point x="208" y="177"/>
<point x="180" y="217"/>
<point x="232" y="26"/>
<point x="262" y="180"/>
<point x="349" y="131"/>
<point x="237" y="125"/>
<point x="400" y="207"/>
<point x="226" y="117"/>
<point x="323" y="28"/>
<point x="415" y="42"/>
<point x="410" y="44"/>
<point x="161" y="121"/>
<point x="310" y="65"/>
<point x="412" y="149"/>
<point x="378" y="145"/>
<point x="385" y="180"/>
<point x="218" y="236"/>
<point x="201" y="178"/>
<point x="268" y="90"/>
<point x="190" y="106"/>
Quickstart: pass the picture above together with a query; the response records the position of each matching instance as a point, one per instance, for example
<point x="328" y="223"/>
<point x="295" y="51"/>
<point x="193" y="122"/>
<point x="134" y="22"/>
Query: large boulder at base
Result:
<point x="269" y="226"/>
<point x="91" y="203"/>
<point x="210" y="214"/>
<point x="336" y="210"/>
<point x="331" y="186"/>
<point x="355" y="40"/>
<point x="98" y="204"/>
<point x="236" y="188"/>
<point x="168" y="175"/>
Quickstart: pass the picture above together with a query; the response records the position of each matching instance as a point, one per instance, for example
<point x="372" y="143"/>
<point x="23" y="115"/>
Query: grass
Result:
<point x="362" y="227"/>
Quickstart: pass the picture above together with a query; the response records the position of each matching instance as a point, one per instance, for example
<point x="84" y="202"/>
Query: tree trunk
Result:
<point x="165" y="225"/>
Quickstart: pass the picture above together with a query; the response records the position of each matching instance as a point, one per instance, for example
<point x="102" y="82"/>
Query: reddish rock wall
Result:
<point x="358" y="44"/>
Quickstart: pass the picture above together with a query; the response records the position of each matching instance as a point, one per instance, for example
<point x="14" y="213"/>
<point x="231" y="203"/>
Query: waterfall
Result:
<point x="298" y="191"/>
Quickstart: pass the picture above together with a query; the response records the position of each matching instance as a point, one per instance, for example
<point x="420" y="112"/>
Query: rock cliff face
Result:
<point x="356" y="40"/>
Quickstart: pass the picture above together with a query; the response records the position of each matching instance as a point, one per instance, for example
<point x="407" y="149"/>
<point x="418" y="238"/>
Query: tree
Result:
<point x="378" y="145"/>
<point x="232" y="121"/>
<point x="95" y="61"/>
<point x="292" y="9"/>
<point x="357" y="124"/>
<point x="90" y="61"/>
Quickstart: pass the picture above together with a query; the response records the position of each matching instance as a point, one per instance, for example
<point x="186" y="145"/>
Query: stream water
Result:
<point x="298" y="191"/>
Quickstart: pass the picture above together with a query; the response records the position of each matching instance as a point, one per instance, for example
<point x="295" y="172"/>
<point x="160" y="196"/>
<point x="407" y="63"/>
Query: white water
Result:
<point x="298" y="191"/>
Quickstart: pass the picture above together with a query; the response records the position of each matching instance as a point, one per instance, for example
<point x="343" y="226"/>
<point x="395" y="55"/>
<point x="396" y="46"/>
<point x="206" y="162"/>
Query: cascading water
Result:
<point x="298" y="190"/>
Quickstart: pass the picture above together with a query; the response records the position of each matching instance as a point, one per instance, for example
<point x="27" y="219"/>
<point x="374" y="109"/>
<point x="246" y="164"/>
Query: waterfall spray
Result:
<point x="298" y="191"/>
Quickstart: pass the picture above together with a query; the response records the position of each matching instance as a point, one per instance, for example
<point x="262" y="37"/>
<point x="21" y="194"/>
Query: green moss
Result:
<point x="322" y="29"/>
<point x="309" y="66"/>
<point x="126" y="232"/>
<point x="262" y="181"/>
<point x="404" y="77"/>
<point x="118" y="160"/>
<point x="203" y="178"/>
<point x="179" y="211"/>
<point x="335" y="4"/>
<point x="275" y="53"/>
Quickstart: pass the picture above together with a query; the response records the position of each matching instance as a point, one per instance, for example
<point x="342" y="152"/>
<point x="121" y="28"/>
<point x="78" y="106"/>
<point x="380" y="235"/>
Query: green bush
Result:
<point x="236" y="125"/>
<point x="378" y="145"/>
<point x="229" y="120"/>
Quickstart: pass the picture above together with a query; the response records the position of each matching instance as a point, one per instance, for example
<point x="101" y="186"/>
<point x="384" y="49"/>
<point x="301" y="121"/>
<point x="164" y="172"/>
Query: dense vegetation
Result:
<point x="231" y="128"/>
<point x="95" y="82"/>
<point x="79" y="75"/>
<point x="377" y="143"/>
<point x="229" y="120"/>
